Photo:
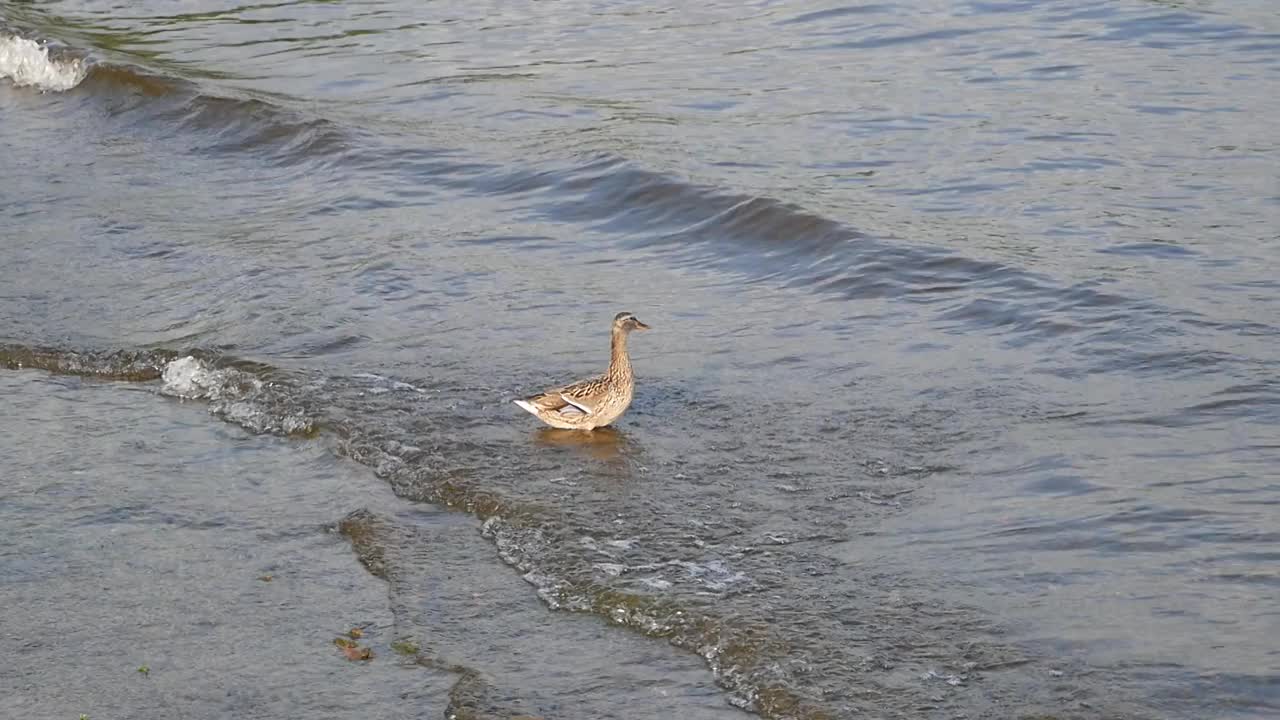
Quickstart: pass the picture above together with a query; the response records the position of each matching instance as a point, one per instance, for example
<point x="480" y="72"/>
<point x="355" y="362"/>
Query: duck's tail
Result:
<point x="527" y="406"/>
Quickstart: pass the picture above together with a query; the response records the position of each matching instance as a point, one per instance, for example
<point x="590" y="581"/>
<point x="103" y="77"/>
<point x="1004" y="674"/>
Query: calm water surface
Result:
<point x="961" y="399"/>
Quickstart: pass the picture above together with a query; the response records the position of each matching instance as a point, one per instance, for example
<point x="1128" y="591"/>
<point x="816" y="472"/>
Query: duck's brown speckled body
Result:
<point x="597" y="401"/>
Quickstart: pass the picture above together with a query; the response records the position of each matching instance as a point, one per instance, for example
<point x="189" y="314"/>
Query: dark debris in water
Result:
<point x="352" y="650"/>
<point x="405" y="647"/>
<point x="360" y="527"/>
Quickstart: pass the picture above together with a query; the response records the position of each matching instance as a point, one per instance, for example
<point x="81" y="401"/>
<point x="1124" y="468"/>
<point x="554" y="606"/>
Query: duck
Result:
<point x="597" y="401"/>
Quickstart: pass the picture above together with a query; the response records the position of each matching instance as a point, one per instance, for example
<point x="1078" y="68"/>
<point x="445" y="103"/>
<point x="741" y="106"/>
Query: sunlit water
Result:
<point x="961" y="397"/>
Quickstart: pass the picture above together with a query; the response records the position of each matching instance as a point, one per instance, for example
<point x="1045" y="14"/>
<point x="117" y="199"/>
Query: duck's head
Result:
<point x="626" y="322"/>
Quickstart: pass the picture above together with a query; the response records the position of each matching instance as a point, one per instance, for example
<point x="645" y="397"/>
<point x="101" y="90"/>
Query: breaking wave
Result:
<point x="29" y="63"/>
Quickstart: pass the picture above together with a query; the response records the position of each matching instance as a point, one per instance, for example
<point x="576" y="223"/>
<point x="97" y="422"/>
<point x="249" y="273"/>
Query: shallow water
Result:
<point x="961" y="397"/>
<point x="144" y="536"/>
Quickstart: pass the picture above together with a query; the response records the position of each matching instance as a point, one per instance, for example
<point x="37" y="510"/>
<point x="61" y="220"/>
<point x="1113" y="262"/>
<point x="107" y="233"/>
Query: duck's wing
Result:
<point x="586" y="409"/>
<point x="586" y="394"/>
<point x="580" y="396"/>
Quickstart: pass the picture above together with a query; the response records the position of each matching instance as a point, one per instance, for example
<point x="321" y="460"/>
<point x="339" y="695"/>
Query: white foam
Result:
<point x="611" y="569"/>
<point x="27" y="63"/>
<point x="395" y="384"/>
<point x="187" y="377"/>
<point x="234" y="396"/>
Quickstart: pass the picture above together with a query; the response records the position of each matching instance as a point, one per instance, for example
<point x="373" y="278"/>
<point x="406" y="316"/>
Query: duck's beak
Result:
<point x="641" y="326"/>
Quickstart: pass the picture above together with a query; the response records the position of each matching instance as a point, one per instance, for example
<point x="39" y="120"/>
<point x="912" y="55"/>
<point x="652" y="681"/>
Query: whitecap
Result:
<point x="28" y="63"/>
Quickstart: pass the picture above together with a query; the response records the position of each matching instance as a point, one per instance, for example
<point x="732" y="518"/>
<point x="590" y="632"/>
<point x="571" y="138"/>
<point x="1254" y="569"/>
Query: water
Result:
<point x="960" y="401"/>
<point x="144" y="536"/>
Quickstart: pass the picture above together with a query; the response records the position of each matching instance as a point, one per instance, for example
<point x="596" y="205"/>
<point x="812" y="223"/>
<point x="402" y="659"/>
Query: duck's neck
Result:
<point x="619" y="361"/>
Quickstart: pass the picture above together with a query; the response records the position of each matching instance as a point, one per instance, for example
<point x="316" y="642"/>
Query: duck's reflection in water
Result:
<point x="606" y="443"/>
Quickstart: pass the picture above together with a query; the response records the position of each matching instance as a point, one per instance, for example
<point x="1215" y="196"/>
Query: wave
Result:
<point x="135" y="365"/>
<point x="247" y="394"/>
<point x="749" y="237"/>
<point x="784" y="633"/>
<point x="232" y="122"/>
<point x="30" y="63"/>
